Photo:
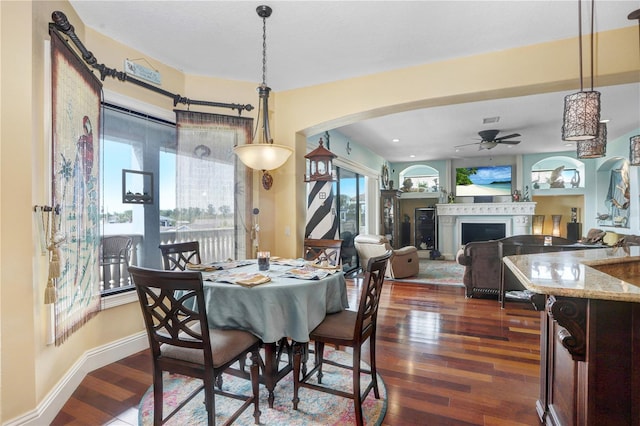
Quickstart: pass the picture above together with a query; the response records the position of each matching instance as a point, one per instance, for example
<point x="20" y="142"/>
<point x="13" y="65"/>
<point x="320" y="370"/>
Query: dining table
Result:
<point x="293" y="301"/>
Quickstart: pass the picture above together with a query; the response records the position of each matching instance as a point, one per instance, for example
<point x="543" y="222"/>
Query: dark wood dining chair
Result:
<point x="181" y="341"/>
<point x="177" y="255"/>
<point x="323" y="250"/>
<point x="347" y="328"/>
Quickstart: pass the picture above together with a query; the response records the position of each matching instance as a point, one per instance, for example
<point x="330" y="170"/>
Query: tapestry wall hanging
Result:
<point x="76" y="95"/>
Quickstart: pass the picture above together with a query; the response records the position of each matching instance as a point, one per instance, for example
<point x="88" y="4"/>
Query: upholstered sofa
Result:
<point x="483" y="261"/>
<point x="403" y="263"/>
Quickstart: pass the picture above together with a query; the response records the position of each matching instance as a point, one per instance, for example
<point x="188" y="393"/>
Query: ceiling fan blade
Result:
<point x="467" y="144"/>
<point x="513" y="135"/>
<point x="509" y="142"/>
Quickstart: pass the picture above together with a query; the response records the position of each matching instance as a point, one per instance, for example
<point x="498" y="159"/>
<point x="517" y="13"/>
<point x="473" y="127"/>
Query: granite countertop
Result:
<point x="607" y="274"/>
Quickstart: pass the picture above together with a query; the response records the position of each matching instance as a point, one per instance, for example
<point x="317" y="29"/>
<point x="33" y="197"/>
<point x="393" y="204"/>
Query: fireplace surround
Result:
<point x="515" y="217"/>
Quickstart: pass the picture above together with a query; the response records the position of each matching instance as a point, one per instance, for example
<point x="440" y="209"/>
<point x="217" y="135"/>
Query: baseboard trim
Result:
<point x="48" y="408"/>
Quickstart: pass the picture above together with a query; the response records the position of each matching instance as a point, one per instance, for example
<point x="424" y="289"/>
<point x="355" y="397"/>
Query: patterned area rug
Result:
<point x="439" y="272"/>
<point x="314" y="408"/>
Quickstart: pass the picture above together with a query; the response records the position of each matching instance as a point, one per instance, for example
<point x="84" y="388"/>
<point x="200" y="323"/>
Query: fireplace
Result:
<point x="482" y="231"/>
<point x="485" y="221"/>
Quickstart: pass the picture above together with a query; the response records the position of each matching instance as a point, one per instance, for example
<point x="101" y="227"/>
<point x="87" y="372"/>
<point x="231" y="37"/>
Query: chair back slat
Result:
<point x="370" y="296"/>
<point x="173" y="308"/>
<point x="176" y="256"/>
<point x="323" y="250"/>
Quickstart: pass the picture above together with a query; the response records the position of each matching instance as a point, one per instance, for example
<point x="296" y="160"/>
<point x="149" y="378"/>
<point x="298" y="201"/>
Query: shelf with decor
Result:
<point x="419" y="194"/>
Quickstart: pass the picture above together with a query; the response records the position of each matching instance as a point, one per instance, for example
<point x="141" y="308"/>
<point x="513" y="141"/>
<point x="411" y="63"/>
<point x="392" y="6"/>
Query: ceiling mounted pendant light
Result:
<point x="594" y="148"/>
<point x="582" y="109"/>
<point x="263" y="154"/>
<point x="634" y="141"/>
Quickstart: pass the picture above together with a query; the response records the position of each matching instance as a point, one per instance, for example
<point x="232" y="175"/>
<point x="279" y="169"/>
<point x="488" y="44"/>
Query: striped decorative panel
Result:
<point x="322" y="221"/>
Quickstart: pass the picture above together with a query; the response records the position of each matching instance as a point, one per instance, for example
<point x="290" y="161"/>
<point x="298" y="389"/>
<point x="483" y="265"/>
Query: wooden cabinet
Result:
<point x="390" y="215"/>
<point x="589" y="364"/>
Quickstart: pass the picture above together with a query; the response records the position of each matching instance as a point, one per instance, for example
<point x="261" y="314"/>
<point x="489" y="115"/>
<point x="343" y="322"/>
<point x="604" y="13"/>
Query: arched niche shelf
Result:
<point x="613" y="192"/>
<point x="557" y="172"/>
<point x="420" y="178"/>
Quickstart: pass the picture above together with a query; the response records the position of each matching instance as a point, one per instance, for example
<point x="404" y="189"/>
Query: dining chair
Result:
<point x="115" y="252"/>
<point x="347" y="328"/>
<point x="181" y="341"/>
<point x="177" y="255"/>
<point x="323" y="250"/>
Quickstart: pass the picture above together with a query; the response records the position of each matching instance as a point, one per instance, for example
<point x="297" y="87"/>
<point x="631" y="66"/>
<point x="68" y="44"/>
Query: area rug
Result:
<point x="314" y="408"/>
<point x="439" y="272"/>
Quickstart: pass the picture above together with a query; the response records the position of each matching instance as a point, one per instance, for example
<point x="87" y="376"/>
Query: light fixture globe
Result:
<point x="581" y="116"/>
<point x="263" y="156"/>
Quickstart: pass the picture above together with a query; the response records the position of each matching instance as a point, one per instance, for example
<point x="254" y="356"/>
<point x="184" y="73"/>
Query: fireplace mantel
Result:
<point x="477" y="209"/>
<point x="515" y="216"/>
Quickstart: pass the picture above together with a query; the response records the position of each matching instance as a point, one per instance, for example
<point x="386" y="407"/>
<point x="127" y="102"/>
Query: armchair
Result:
<point x="403" y="263"/>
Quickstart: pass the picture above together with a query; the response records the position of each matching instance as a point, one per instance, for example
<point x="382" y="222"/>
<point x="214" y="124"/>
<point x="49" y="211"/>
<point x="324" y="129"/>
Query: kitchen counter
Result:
<point x="589" y="334"/>
<point x="606" y="274"/>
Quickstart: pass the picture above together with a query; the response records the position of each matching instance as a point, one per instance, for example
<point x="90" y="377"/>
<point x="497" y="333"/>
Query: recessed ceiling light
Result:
<point x="412" y="156"/>
<point x="395" y="140"/>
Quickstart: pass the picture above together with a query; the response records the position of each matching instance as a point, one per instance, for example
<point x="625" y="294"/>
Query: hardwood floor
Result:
<point x="445" y="360"/>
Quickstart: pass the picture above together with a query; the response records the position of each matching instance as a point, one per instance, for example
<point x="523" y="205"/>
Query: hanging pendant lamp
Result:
<point x="263" y="154"/>
<point x="634" y="150"/>
<point x="594" y="148"/>
<point x="582" y="109"/>
<point x="634" y="141"/>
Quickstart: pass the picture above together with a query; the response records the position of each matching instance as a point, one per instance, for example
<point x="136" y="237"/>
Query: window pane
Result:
<point x="131" y="141"/>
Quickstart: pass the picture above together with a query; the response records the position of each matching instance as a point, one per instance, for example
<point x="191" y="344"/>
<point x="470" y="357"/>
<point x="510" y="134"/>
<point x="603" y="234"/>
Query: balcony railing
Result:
<point x="215" y="244"/>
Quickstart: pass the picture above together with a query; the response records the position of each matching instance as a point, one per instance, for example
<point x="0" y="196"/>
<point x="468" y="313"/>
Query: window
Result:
<point x="350" y="188"/>
<point x="420" y="178"/>
<point x="557" y="172"/>
<point x="136" y="142"/>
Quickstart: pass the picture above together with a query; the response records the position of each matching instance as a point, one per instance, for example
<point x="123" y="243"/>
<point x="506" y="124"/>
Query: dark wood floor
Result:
<point x="445" y="360"/>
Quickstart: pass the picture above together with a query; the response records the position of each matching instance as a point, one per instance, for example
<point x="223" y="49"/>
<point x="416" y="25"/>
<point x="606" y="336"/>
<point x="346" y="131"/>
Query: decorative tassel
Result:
<point x="54" y="263"/>
<point x="50" y="295"/>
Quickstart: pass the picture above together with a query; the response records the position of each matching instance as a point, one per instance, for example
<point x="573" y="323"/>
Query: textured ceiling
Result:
<point x="313" y="42"/>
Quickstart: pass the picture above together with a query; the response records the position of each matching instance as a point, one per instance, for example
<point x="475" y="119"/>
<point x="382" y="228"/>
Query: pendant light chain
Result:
<point x="593" y="2"/>
<point x="264" y="51"/>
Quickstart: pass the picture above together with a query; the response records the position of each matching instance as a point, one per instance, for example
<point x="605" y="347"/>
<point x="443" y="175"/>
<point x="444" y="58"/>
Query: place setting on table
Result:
<point x="268" y="267"/>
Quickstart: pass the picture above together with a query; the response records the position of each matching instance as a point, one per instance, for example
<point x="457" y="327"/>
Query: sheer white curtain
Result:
<point x="212" y="185"/>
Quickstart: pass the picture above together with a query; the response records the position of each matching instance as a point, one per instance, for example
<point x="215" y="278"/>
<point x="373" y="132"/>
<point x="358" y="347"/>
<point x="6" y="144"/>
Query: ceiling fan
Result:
<point x="489" y="140"/>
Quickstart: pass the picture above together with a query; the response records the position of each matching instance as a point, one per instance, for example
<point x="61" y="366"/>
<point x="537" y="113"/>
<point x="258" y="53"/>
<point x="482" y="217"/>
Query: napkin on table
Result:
<point x="200" y="267"/>
<point x="244" y="279"/>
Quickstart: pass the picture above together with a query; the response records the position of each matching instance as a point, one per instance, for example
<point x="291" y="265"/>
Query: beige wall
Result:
<point x="29" y="369"/>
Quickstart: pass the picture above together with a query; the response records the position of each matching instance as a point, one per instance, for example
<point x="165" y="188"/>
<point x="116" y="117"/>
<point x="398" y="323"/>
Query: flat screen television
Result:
<point x="483" y="181"/>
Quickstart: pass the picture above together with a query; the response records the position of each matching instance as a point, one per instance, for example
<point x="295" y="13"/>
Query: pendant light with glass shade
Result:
<point x="582" y="109"/>
<point x="634" y="141"/>
<point x="263" y="154"/>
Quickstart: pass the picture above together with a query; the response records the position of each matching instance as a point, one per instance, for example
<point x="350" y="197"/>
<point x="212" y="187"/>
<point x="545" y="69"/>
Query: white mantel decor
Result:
<point x="475" y="209"/>
<point x="515" y="216"/>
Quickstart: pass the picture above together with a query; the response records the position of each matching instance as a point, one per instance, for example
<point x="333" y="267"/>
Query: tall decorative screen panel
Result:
<point x="76" y="98"/>
<point x="212" y="186"/>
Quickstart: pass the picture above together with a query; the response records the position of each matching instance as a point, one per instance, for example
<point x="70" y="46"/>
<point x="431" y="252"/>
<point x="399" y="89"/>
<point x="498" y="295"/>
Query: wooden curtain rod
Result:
<point x="62" y="24"/>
